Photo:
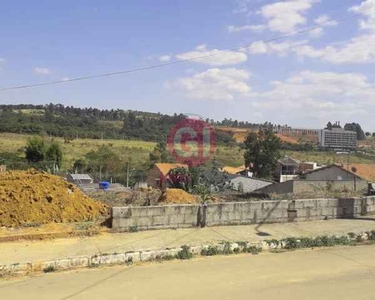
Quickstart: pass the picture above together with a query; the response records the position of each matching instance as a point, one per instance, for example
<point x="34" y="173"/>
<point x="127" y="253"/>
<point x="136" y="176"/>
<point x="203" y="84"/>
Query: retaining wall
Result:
<point x="237" y="213"/>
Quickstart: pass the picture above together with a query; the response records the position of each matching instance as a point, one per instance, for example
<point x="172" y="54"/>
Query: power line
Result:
<point x="188" y="59"/>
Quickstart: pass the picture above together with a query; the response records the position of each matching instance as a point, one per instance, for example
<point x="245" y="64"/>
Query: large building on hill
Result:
<point x="337" y="138"/>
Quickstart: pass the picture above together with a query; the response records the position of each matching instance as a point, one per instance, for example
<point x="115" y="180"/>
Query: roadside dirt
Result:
<point x="30" y="198"/>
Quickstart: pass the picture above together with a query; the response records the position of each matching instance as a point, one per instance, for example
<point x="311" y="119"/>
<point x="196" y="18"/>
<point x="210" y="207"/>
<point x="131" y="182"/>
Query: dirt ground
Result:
<point x="334" y="273"/>
<point x="31" y="198"/>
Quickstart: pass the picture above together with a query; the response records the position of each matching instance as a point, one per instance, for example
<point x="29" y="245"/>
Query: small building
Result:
<point x="157" y="177"/>
<point x="287" y="169"/>
<point x="337" y="138"/>
<point x="140" y="185"/>
<point x="79" y="178"/>
<point x="316" y="180"/>
<point x="330" y="173"/>
<point x="3" y="168"/>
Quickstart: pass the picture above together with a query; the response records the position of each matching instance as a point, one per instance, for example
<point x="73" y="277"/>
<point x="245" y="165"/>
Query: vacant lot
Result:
<point x="139" y="151"/>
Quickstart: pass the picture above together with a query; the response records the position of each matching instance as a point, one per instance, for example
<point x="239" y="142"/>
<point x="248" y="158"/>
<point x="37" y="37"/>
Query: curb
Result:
<point x="131" y="257"/>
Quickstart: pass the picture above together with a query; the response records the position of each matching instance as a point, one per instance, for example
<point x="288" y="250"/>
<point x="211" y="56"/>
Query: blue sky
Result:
<point x="304" y="80"/>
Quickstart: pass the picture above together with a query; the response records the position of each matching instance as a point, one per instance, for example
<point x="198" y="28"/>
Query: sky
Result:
<point x="303" y="80"/>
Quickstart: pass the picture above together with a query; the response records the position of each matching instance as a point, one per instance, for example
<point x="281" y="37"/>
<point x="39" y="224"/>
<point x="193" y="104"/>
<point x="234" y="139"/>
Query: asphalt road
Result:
<point x="333" y="273"/>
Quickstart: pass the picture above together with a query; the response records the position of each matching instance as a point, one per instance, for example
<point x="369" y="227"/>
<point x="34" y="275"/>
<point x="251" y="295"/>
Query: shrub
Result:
<point x="185" y="253"/>
<point x="252" y="249"/>
<point x="49" y="269"/>
<point x="210" y="251"/>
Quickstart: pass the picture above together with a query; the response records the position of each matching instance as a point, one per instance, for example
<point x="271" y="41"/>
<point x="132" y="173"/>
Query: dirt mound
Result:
<point x="177" y="196"/>
<point x="31" y="197"/>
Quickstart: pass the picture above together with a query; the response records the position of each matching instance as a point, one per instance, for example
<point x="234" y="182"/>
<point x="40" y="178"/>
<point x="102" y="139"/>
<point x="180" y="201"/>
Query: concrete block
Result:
<point x="48" y="264"/>
<point x="95" y="260"/>
<point x="155" y="211"/>
<point x="143" y="222"/>
<point x="141" y="211"/>
<point x="191" y="218"/>
<point x="121" y="212"/>
<point x="133" y="256"/>
<point x="160" y="220"/>
<point x="176" y="219"/>
<point x="196" y="249"/>
<point x="82" y="261"/>
<point x="63" y="264"/>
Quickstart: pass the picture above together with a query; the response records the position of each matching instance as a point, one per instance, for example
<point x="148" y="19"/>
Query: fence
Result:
<point x="237" y="213"/>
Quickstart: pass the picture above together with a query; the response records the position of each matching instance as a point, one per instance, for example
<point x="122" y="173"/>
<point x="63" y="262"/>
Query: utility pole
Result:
<point x="127" y="176"/>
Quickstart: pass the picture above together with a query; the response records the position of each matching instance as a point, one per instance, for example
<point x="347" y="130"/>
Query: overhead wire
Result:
<point x="179" y="61"/>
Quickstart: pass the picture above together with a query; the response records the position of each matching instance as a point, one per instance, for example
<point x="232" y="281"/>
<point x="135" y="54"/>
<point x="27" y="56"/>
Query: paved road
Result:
<point x="334" y="273"/>
<point x="31" y="251"/>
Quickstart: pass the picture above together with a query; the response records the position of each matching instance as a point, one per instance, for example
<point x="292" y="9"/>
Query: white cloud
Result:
<point x="325" y="21"/>
<point x="281" y="49"/>
<point x="254" y="28"/>
<point x="318" y="94"/>
<point x="214" y="84"/>
<point x="359" y="49"/>
<point x="165" y="58"/>
<point x="213" y="57"/>
<point x="316" y="32"/>
<point x="65" y="78"/>
<point x="366" y="7"/>
<point x="42" y="71"/>
<point x="285" y="16"/>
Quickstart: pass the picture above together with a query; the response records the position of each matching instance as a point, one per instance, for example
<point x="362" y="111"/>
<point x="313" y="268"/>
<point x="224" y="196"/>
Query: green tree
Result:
<point x="160" y="154"/>
<point x="54" y="154"/>
<point x="35" y="150"/>
<point x="262" y="152"/>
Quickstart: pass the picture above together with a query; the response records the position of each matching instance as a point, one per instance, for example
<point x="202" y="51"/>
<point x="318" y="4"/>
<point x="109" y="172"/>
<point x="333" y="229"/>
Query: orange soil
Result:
<point x="177" y="196"/>
<point x="31" y="197"/>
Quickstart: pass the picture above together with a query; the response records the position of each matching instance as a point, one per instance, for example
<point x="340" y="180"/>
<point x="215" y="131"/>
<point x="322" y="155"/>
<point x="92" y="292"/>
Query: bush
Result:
<point x="185" y="253"/>
<point x="210" y="251"/>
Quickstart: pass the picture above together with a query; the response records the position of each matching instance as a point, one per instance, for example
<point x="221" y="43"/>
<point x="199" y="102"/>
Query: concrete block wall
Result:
<point x="155" y="217"/>
<point x="237" y="213"/>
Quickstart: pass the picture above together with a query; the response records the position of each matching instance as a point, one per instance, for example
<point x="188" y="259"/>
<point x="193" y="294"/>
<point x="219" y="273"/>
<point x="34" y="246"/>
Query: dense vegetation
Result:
<point x="73" y="122"/>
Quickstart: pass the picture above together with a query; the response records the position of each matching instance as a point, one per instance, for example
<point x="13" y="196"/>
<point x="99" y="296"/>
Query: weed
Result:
<point x="49" y="269"/>
<point x="351" y="235"/>
<point x="227" y="249"/>
<point x="252" y="249"/>
<point x="210" y="251"/>
<point x="185" y="253"/>
<point x="133" y="228"/>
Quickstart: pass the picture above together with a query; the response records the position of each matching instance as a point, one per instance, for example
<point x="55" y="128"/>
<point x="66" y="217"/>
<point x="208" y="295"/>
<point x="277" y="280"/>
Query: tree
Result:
<point x="262" y="152"/>
<point x="329" y="126"/>
<point x="160" y="153"/>
<point x="368" y="134"/>
<point x="35" y="150"/>
<point x="357" y="128"/>
<point x="179" y="178"/>
<point x="54" y="154"/>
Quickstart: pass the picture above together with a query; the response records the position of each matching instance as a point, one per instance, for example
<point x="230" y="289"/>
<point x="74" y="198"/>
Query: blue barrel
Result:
<point x="104" y="185"/>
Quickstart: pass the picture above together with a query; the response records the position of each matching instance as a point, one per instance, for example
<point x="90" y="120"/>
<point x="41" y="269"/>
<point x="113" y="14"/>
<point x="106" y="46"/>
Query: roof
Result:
<point x="331" y="166"/>
<point x="233" y="170"/>
<point x="366" y="171"/>
<point x="80" y="176"/>
<point x="288" y="161"/>
<point x="250" y="184"/>
<point x="164" y="168"/>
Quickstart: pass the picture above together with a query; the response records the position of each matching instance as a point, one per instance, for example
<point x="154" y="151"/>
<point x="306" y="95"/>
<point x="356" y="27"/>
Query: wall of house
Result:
<point x="235" y="213"/>
<point x="302" y="186"/>
<point x="333" y="173"/>
<point x="154" y="174"/>
<point x="278" y="188"/>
